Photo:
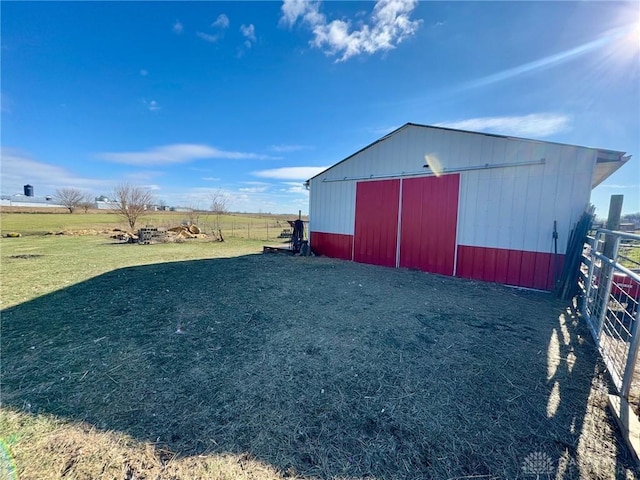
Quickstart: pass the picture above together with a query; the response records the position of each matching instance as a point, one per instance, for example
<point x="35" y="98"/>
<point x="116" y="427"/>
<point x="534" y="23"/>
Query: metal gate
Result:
<point x="610" y="286"/>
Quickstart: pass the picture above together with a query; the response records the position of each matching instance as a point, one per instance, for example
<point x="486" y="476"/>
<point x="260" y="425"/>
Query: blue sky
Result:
<point x="252" y="98"/>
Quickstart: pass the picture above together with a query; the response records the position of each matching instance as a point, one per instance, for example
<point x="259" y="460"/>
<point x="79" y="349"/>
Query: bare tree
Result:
<point x="87" y="202"/>
<point x="71" y="198"/>
<point x="132" y="202"/>
<point x="220" y="202"/>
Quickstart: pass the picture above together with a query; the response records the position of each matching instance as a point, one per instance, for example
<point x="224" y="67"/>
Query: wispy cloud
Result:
<point x="143" y="72"/>
<point x="614" y="185"/>
<point x="178" y="27"/>
<point x="290" y="173"/>
<point x="211" y="179"/>
<point x="18" y="169"/>
<point x="251" y="182"/>
<point x="177" y="153"/>
<point x="532" y="125"/>
<point x="248" y="32"/>
<point x="253" y="189"/>
<point x="221" y="22"/>
<point x="207" y="37"/>
<point x="152" y="105"/>
<point x="299" y="189"/>
<point x="389" y="24"/>
<point x="550" y="60"/>
<point x="294" y="187"/>
<point x="273" y="200"/>
<point x="285" y="148"/>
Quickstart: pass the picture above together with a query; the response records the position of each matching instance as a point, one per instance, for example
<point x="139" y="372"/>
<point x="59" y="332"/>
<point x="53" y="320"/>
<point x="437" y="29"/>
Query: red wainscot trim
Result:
<point x="510" y="267"/>
<point x="333" y="245"/>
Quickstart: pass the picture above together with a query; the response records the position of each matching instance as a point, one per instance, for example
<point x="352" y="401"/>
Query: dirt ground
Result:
<point x="320" y="368"/>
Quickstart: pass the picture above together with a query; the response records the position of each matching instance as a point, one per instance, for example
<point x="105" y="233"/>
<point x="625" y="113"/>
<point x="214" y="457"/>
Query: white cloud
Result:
<point x="153" y="106"/>
<point x="221" y="22"/>
<point x="284" y="148"/>
<point x="389" y="24"/>
<point x="253" y="189"/>
<point x="18" y="169"/>
<point x="532" y="125"/>
<point x="211" y="179"/>
<point x="177" y="153"/>
<point x="178" y="27"/>
<point x="550" y="60"/>
<point x="248" y="31"/>
<point x="299" y="189"/>
<point x="295" y="187"/>
<point x="290" y="173"/>
<point x="208" y="38"/>
<point x="294" y="9"/>
<point x="274" y="200"/>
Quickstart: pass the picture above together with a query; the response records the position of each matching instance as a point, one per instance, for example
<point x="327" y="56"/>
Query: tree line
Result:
<point x="131" y="202"/>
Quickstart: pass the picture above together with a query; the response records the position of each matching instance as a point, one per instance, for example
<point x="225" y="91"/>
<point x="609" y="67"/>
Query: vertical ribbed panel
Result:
<point x="428" y="227"/>
<point x="333" y="245"/>
<point x="376" y="227"/>
<point x="511" y="267"/>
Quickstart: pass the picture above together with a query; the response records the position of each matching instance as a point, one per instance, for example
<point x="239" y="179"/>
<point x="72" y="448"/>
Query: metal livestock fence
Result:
<point x="610" y="285"/>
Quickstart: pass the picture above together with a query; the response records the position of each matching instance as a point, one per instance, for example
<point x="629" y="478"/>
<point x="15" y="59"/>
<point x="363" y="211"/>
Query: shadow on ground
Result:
<point x="319" y="367"/>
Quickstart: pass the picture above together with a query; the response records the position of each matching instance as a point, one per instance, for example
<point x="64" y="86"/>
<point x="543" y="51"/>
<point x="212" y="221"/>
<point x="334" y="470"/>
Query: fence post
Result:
<point x="632" y="357"/>
<point x="613" y="223"/>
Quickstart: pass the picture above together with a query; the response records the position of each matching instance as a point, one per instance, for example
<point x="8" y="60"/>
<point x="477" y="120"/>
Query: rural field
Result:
<point x="239" y="225"/>
<point x="209" y="360"/>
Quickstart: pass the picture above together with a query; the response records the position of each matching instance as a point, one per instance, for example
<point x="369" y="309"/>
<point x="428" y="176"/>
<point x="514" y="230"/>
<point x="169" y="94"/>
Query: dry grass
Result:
<point x="80" y="451"/>
<point x="307" y="367"/>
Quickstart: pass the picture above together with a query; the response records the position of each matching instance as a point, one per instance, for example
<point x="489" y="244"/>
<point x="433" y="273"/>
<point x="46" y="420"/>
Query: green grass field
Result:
<point x="36" y="265"/>
<point x="258" y="227"/>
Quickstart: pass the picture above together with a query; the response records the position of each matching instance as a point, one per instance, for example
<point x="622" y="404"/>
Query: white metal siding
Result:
<point x="512" y="208"/>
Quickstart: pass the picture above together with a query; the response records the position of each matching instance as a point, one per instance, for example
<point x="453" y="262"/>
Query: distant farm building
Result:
<point x="20" y="200"/>
<point x="454" y="202"/>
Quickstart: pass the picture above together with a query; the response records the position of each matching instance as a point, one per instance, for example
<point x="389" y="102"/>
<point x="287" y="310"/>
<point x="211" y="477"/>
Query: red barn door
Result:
<point x="429" y="222"/>
<point x="376" y="226"/>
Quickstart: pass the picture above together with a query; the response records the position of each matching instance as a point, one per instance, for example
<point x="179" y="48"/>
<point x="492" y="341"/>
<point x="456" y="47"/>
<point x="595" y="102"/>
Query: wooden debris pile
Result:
<point x="186" y="231"/>
<point x="150" y="234"/>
